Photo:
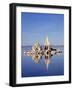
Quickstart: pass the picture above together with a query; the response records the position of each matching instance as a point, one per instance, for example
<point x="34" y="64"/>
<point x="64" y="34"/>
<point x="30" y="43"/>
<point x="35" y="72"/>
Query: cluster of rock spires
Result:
<point x="38" y="47"/>
<point x="46" y="50"/>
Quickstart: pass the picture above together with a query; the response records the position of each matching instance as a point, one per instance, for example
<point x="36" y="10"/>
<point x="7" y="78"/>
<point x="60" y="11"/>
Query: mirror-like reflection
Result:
<point x="47" y="60"/>
<point x="37" y="56"/>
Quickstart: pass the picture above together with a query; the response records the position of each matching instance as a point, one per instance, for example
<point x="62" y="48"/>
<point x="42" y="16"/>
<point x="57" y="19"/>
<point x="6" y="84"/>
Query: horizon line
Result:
<point x="42" y="45"/>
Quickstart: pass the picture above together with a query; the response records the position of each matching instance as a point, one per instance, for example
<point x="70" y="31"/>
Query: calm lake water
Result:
<point x="52" y="66"/>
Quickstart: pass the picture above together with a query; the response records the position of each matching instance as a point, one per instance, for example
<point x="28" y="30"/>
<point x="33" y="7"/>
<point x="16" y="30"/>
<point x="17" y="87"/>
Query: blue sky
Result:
<point x="36" y="26"/>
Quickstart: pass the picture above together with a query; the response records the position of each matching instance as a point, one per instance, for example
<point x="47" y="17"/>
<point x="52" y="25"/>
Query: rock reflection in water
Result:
<point x="37" y="57"/>
<point x="47" y="58"/>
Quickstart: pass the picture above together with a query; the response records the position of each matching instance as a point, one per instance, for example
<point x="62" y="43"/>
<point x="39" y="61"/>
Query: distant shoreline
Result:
<point x="43" y="46"/>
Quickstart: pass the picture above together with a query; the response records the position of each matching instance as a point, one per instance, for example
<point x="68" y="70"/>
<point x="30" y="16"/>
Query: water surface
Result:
<point x="51" y="66"/>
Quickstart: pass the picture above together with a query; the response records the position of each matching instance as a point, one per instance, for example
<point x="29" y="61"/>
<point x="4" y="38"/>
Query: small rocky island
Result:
<point x="38" y="52"/>
<point x="46" y="50"/>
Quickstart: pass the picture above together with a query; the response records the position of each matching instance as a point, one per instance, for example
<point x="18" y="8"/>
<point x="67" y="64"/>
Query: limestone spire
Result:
<point x="47" y="43"/>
